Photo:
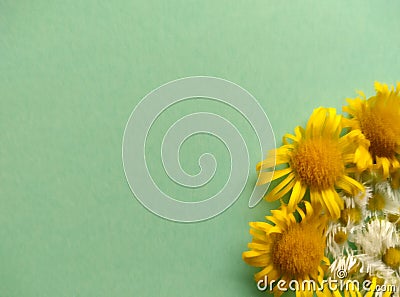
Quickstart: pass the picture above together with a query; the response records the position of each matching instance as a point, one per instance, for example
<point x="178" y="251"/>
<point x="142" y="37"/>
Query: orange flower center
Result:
<point x="318" y="163"/>
<point x="379" y="131"/>
<point x="299" y="251"/>
<point x="340" y="237"/>
<point x="392" y="257"/>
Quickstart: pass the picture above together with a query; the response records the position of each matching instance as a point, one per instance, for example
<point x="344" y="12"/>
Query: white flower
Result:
<point x="376" y="237"/>
<point x="385" y="188"/>
<point x="385" y="200"/>
<point x="375" y="267"/>
<point x="337" y="239"/>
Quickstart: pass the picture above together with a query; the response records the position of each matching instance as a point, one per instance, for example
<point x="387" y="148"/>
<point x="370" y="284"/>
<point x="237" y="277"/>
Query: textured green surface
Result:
<point x="71" y="73"/>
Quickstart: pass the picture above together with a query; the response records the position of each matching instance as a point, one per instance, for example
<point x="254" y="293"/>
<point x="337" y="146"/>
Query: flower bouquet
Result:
<point x="336" y="231"/>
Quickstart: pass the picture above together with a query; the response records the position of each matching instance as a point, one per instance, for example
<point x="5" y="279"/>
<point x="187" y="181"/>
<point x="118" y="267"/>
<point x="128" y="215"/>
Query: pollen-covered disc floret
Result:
<point x="298" y="257"/>
<point x="391" y="257"/>
<point x="318" y="163"/>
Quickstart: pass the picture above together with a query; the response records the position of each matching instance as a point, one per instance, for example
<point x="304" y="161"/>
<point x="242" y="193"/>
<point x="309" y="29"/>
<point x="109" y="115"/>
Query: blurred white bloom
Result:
<point x="376" y="237"/>
<point x="337" y="240"/>
<point x="385" y="200"/>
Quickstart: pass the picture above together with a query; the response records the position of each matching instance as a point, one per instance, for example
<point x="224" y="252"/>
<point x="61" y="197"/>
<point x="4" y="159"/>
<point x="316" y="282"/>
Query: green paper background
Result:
<point x="70" y="74"/>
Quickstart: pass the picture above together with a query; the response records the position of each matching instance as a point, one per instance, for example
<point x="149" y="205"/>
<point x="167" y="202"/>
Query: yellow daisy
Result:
<point x="289" y="250"/>
<point x="318" y="159"/>
<point x="379" y="120"/>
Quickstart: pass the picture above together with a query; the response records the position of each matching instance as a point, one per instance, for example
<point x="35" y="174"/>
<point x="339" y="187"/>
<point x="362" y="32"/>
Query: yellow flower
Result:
<point x="379" y="120"/>
<point x="288" y="249"/>
<point x="319" y="159"/>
